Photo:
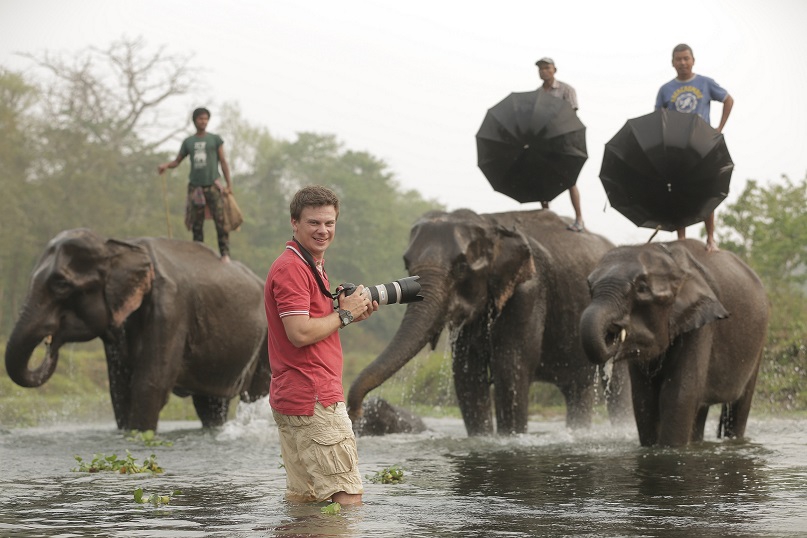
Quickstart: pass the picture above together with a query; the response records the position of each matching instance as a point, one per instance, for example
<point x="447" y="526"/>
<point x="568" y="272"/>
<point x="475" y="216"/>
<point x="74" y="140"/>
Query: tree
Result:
<point x="79" y="150"/>
<point x="767" y="226"/>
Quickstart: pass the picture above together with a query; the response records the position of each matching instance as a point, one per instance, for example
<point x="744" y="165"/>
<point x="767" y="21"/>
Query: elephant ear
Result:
<point x="511" y="264"/>
<point x="696" y="302"/>
<point x="130" y="274"/>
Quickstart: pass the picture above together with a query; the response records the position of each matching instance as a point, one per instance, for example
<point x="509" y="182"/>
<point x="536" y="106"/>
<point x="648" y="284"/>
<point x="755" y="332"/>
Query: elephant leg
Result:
<point x="471" y="381"/>
<point x="618" y="394"/>
<point x="644" y="393"/>
<point x="212" y="410"/>
<point x="683" y="375"/>
<point x="700" y="424"/>
<point x="120" y="377"/>
<point x="579" y="404"/>
<point x="511" y="389"/>
<point x="735" y="415"/>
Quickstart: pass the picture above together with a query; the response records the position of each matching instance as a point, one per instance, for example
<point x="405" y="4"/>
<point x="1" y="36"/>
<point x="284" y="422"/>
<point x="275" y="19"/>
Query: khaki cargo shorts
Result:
<point x="319" y="454"/>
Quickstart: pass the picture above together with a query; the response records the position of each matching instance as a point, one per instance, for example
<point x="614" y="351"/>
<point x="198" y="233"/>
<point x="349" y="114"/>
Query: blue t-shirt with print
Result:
<point x="691" y="96"/>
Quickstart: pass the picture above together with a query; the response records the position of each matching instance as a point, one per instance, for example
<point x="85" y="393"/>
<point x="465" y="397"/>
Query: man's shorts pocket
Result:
<point x="335" y="451"/>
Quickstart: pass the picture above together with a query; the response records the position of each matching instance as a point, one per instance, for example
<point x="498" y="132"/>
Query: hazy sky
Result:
<point x="411" y="81"/>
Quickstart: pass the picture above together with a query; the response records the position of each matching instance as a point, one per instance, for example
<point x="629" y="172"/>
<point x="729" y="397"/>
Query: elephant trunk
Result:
<point x="21" y="344"/>
<point x="601" y="336"/>
<point x="422" y="323"/>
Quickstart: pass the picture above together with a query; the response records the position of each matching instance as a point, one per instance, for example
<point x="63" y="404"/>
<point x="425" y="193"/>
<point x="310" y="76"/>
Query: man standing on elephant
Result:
<point x="689" y="93"/>
<point x="205" y="188"/>
<point x="316" y="436"/>
<point x="556" y="88"/>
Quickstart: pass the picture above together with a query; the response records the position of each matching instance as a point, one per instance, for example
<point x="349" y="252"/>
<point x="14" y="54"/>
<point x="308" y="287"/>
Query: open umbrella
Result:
<point x="531" y="146"/>
<point x="666" y="170"/>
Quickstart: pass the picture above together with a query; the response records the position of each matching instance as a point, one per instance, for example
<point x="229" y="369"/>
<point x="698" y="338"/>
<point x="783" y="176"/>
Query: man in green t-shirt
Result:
<point x="204" y="188"/>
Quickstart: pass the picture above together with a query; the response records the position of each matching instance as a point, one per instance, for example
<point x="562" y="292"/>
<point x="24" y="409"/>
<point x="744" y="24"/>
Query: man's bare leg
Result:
<point x="346" y="498"/>
<point x="711" y="245"/>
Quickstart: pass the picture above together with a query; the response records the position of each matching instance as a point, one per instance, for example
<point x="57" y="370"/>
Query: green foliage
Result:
<point x="388" y="475"/>
<point x="148" y="438"/>
<point x="767" y="226"/>
<point x="332" y="509"/>
<point x="154" y="499"/>
<point x="102" y="462"/>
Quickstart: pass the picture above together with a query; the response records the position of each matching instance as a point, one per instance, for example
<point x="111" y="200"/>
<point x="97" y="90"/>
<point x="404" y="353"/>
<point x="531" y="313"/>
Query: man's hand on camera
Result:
<point x="358" y="303"/>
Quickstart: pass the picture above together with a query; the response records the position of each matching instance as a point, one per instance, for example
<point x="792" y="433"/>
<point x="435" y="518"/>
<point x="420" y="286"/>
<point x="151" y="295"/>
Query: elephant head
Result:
<point x="469" y="267"/>
<point x="643" y="298"/>
<point x="82" y="287"/>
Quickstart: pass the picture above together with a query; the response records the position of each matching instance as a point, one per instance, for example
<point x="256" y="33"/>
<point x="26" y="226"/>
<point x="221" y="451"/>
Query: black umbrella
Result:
<point x="666" y="170"/>
<point x="531" y="146"/>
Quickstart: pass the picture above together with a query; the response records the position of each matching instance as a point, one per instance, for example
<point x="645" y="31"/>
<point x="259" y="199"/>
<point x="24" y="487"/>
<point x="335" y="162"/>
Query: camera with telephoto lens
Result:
<point x="402" y="291"/>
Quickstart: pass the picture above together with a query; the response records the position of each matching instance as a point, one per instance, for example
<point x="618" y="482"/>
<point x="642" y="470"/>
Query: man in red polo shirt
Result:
<point x="316" y="436"/>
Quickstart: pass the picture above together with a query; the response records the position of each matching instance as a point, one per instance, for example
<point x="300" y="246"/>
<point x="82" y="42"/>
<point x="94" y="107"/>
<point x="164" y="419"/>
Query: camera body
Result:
<point x="402" y="291"/>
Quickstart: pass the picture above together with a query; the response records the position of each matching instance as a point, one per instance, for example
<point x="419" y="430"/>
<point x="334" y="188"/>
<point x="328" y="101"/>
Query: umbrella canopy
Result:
<point x="666" y="170"/>
<point x="531" y="146"/>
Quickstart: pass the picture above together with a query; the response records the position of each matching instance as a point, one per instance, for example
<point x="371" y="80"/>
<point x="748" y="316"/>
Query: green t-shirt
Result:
<point x="204" y="153"/>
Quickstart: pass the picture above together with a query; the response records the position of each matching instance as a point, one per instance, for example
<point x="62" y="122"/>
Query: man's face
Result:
<point x="683" y="62"/>
<point x="316" y="229"/>
<point x="546" y="71"/>
<point x="201" y="122"/>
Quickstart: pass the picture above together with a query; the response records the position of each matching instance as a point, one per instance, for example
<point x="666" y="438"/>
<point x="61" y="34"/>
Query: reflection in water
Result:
<point x="546" y="482"/>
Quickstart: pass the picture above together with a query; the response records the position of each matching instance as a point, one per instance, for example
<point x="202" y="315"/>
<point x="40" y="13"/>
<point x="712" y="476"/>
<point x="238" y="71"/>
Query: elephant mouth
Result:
<point x="614" y="342"/>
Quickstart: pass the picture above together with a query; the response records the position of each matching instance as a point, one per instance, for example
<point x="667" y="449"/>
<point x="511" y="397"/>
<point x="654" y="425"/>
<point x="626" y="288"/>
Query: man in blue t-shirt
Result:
<point x="690" y="93"/>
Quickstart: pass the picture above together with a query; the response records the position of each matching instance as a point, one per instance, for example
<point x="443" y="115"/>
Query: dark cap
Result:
<point x="545" y="60"/>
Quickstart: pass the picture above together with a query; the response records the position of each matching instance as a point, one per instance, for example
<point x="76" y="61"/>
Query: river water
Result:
<point x="548" y="482"/>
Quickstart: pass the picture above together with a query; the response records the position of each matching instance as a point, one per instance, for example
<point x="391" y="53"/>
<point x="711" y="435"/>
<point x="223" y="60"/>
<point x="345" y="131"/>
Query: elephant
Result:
<point x="171" y="315"/>
<point x="690" y="324"/>
<point x="511" y="287"/>
<point x="379" y="417"/>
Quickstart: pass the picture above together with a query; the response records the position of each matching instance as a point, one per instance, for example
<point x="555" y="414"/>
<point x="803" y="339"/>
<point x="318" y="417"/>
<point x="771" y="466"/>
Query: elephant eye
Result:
<point x="60" y="285"/>
<point x="642" y="289"/>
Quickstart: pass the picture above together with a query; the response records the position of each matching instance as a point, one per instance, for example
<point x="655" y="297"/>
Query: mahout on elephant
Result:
<point x="511" y="287"/>
<point x="690" y="324"/>
<point x="171" y="315"/>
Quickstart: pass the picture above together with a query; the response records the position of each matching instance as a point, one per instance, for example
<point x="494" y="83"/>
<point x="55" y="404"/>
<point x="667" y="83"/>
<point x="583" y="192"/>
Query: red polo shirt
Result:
<point x="309" y="374"/>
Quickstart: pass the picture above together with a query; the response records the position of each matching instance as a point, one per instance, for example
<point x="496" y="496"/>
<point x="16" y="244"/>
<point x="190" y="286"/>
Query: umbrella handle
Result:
<point x="654" y="233"/>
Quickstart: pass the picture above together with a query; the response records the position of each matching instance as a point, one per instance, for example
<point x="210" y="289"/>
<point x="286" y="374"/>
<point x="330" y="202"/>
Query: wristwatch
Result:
<point x="345" y="316"/>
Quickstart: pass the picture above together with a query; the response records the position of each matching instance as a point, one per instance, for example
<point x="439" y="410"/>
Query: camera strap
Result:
<point x="309" y="259"/>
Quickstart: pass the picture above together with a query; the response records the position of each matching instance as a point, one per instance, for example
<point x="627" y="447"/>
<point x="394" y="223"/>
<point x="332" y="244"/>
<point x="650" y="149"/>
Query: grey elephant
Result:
<point x="171" y="315"/>
<point x="379" y="417"/>
<point x="510" y="287"/>
<point x="691" y="325"/>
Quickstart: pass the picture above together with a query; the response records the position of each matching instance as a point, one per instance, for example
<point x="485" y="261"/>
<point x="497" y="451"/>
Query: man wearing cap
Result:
<point x="556" y="88"/>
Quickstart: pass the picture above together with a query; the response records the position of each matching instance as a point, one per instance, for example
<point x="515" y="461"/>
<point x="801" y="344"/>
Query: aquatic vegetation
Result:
<point x="389" y="475"/>
<point x="148" y="438"/>
<point x="154" y="499"/>
<point x="102" y="462"/>
<point x="332" y="509"/>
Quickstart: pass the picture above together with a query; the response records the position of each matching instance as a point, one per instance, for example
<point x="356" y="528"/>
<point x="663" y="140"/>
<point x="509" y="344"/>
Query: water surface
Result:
<point x="547" y="482"/>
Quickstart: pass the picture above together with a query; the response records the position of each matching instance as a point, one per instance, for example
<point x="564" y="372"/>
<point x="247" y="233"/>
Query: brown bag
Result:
<point x="232" y="213"/>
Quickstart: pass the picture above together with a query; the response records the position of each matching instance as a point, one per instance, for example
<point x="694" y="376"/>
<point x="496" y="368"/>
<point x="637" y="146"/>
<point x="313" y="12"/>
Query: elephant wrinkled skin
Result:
<point x="171" y="315"/>
<point x="691" y="325"/>
<point x="510" y="287"/>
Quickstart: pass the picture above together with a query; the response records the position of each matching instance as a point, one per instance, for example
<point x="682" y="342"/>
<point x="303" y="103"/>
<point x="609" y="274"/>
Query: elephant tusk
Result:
<point x="48" y="340"/>
<point x="622" y="335"/>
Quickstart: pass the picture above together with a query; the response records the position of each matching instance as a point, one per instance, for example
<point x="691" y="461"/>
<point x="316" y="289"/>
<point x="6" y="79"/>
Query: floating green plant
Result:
<point x="102" y="462"/>
<point x="148" y="438"/>
<point x="390" y="475"/>
<point x="154" y="498"/>
<point x="332" y="509"/>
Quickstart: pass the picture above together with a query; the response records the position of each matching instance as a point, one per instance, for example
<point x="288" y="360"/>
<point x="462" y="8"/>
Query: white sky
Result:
<point x="410" y="82"/>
